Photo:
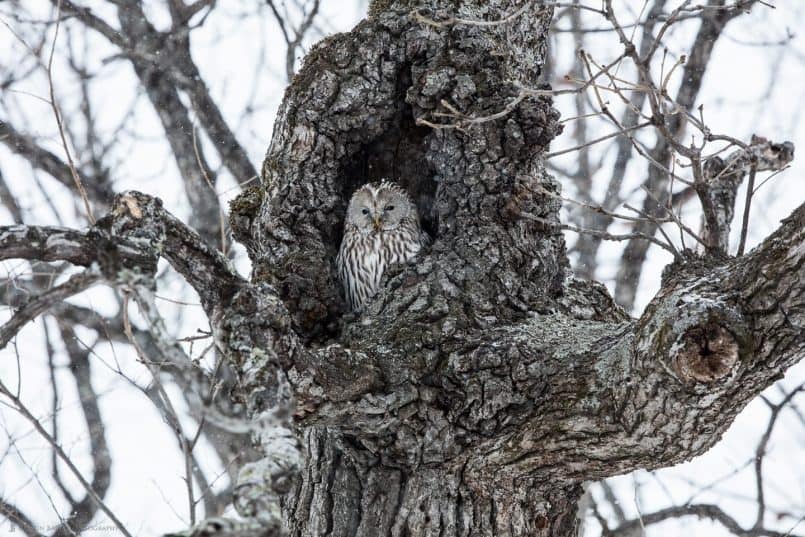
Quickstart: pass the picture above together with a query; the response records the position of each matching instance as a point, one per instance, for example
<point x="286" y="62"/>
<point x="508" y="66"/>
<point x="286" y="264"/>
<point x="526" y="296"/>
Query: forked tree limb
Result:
<point x="712" y="339"/>
<point x="483" y="384"/>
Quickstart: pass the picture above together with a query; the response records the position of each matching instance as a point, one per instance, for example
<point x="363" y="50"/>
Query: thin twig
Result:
<point x="76" y="178"/>
<point x="24" y="412"/>
<point x="37" y="305"/>
<point x="770" y="177"/>
<point x="596" y="233"/>
<point x="750" y="189"/>
<point x="598" y="140"/>
<point x="760" y="452"/>
<point x="168" y="410"/>
<point x="221" y="216"/>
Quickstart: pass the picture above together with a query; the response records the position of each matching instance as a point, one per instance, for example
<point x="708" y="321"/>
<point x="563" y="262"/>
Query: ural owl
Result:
<point x="381" y="228"/>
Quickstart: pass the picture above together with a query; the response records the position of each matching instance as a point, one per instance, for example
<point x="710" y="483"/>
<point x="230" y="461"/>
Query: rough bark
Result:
<point x="350" y="117"/>
<point x="503" y="385"/>
<point x="483" y="385"/>
<point x="720" y="181"/>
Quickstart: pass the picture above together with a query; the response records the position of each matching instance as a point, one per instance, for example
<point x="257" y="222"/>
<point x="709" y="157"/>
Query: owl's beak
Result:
<point x="377" y="222"/>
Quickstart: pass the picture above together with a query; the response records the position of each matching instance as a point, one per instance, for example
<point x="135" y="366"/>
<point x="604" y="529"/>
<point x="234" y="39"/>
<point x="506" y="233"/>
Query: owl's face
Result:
<point x="378" y="207"/>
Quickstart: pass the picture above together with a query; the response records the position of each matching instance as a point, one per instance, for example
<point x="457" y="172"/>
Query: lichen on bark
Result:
<point x="485" y="383"/>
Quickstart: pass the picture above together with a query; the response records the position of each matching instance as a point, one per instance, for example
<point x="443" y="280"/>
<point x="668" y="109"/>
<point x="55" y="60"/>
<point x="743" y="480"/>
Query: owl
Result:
<point x="381" y="229"/>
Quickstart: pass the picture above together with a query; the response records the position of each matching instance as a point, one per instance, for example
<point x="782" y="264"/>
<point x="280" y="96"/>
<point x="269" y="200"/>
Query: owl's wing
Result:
<point x="424" y="239"/>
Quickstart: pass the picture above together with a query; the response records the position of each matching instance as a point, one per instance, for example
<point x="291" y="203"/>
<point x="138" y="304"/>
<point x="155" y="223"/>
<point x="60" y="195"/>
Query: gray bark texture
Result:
<point x="484" y="384"/>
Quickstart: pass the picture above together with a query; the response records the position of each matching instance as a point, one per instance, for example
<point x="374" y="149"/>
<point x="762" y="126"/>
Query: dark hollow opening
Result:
<point x="399" y="156"/>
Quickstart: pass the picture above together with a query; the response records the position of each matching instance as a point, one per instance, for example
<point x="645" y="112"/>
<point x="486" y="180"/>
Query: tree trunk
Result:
<point x="353" y="115"/>
<point x="347" y="490"/>
<point x="483" y="385"/>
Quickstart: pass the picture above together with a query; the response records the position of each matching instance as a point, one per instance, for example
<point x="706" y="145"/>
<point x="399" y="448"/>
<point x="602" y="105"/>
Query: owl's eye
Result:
<point x="389" y="208"/>
<point x="365" y="211"/>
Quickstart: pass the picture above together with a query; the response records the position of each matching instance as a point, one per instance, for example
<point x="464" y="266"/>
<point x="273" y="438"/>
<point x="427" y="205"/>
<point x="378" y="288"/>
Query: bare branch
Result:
<point x="84" y="510"/>
<point x="48" y="243"/>
<point x="18" y="518"/>
<point x="99" y="192"/>
<point x="73" y="171"/>
<point x="25" y="413"/>
<point x="712" y="512"/>
<point x="41" y="303"/>
<point x="717" y="187"/>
